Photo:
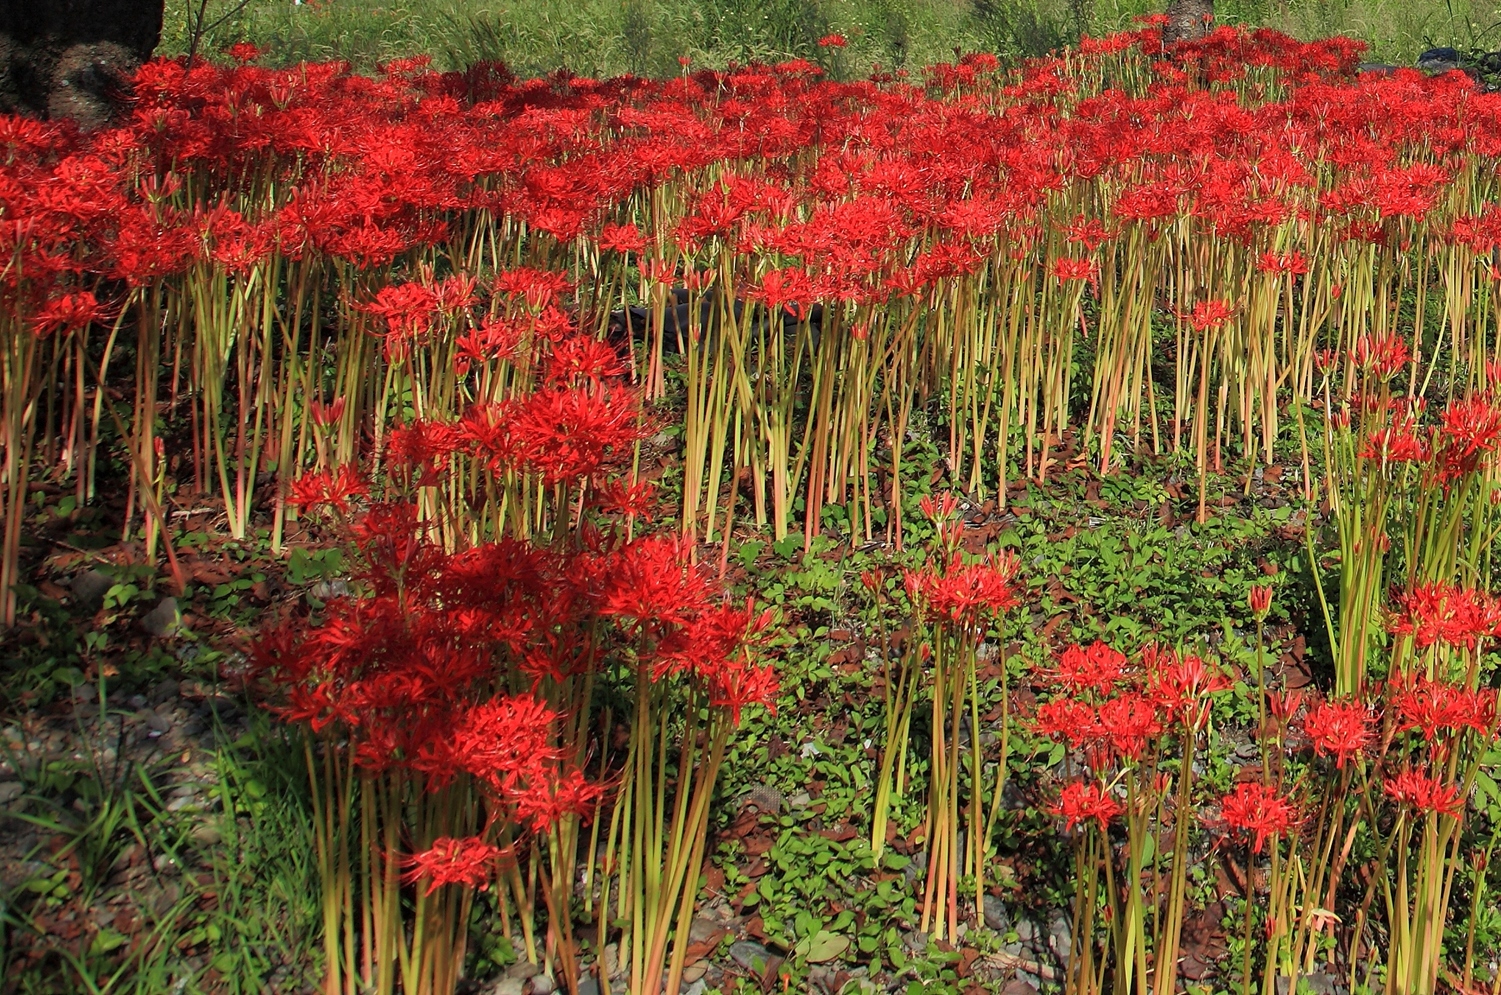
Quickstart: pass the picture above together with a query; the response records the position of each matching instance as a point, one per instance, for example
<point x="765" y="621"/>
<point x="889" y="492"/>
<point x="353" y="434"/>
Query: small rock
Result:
<point x="508" y="986"/>
<point x="694" y="971"/>
<point x="588" y="985"/>
<point x="697" y="988"/>
<point x="701" y="929"/>
<point x="164" y="690"/>
<point x="1061" y="939"/>
<point x="155" y="720"/>
<point x="1032" y="981"/>
<point x="609" y="959"/>
<point x="9" y="791"/>
<point x="995" y="914"/>
<point x="542" y="984"/>
<point x="90" y="588"/>
<point x="325" y="590"/>
<point x="1026" y="931"/>
<point x="800" y="800"/>
<point x="1016" y="986"/>
<point x="162" y="619"/>
<point x="1318" y="982"/>
<point x="751" y="956"/>
<point x="522" y="970"/>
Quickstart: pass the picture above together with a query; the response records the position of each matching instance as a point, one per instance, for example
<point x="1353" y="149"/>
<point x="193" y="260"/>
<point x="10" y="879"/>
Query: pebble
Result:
<point x="694" y="971"/>
<point x="508" y="986"/>
<point x="995" y="914"/>
<point x="162" y="619"/>
<point x="9" y="791"/>
<point x="701" y="929"/>
<point x="697" y="988"/>
<point x="327" y="589"/>
<point x="588" y="985"/>
<point x="542" y="984"/>
<point x="90" y="588"/>
<point x="751" y="956"/>
<point x="1060" y="938"/>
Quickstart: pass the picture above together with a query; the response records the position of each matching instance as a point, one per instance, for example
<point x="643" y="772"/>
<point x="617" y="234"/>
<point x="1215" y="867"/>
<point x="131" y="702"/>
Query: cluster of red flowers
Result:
<point x="1117" y="714"/>
<point x="1447" y="614"/>
<point x="965" y="594"/>
<point x="958" y="157"/>
<point x="405" y="671"/>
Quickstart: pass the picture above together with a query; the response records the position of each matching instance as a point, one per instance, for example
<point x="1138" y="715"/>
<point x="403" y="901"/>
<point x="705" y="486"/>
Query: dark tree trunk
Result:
<point x="1187" y="20"/>
<point x="73" y="58"/>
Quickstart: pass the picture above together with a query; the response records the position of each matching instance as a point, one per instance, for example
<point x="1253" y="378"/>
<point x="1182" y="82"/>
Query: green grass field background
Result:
<point x="646" y="37"/>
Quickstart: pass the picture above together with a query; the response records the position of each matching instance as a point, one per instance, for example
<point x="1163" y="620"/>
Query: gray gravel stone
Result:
<point x="90" y="588"/>
<point x="162" y="619"/>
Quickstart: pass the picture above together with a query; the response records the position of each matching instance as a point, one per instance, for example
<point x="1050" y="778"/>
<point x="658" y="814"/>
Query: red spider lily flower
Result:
<point x="409" y="310"/>
<point x="1430" y="707"/>
<point x="580" y="360"/>
<point x="1284" y="705"/>
<point x="1067" y="269"/>
<point x="1096" y="667"/>
<point x="325" y="415"/>
<point x="1210" y="314"/>
<point x="1260" y="600"/>
<point x="939" y="508"/>
<point x="650" y="581"/>
<point x="1083" y="800"/>
<point x="468" y="861"/>
<point x="965" y="594"/>
<point x="1292" y="263"/>
<point x="502" y="742"/>
<point x="547" y="800"/>
<point x="1180" y="686"/>
<point x="1399" y="442"/>
<point x="1338" y="729"/>
<point x="1424" y="793"/>
<point x="1090" y="233"/>
<point x="638" y="500"/>
<point x="1381" y="356"/>
<point x="622" y="238"/>
<point x="1256" y="810"/>
<point x="1127" y="724"/>
<point x="737" y="684"/>
<point x="831" y="41"/>
<point x="566" y="434"/>
<point x="68" y="312"/>
<point x="1444" y="613"/>
<point x="1469" y="430"/>
<point x="243" y="52"/>
<point x="537" y="287"/>
<point x="332" y="488"/>
<point x="1066" y="719"/>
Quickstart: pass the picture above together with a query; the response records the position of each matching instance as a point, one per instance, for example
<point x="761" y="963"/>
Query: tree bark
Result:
<point x="74" y="58"/>
<point x="1187" y="20"/>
